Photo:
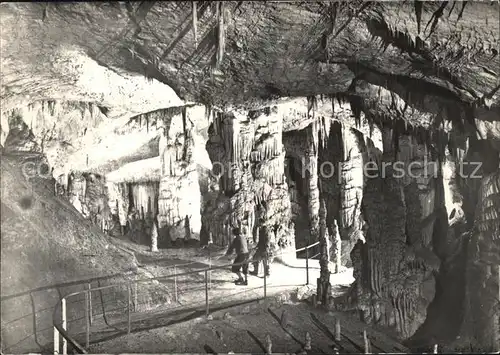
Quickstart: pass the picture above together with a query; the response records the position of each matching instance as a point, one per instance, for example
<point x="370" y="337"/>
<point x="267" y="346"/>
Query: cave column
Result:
<point x="317" y="212"/>
<point x="323" y="287"/>
<point x="311" y="169"/>
<point x="350" y="185"/>
<point x="179" y="202"/>
<point x="351" y="182"/>
<point x="247" y="152"/>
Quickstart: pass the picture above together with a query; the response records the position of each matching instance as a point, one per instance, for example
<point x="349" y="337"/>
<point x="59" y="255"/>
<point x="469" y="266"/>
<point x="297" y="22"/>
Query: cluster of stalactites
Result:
<point x="52" y="107"/>
<point x="271" y="171"/>
<point x="158" y="118"/>
<point x="268" y="148"/>
<point x="144" y="197"/>
<point x="173" y="153"/>
<point x="439" y="142"/>
<point x="118" y="197"/>
<point x="320" y="123"/>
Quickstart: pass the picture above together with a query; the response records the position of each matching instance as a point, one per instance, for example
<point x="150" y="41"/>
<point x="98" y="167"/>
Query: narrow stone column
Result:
<point x="324" y="286"/>
<point x="179" y="201"/>
<point x="311" y="168"/>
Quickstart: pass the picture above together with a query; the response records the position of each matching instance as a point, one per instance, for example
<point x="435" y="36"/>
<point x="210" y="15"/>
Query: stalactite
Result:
<point x="343" y="138"/>
<point x="217" y="127"/>
<point x="235" y="150"/>
<point x="314" y="137"/>
<point x="324" y="130"/>
<point x="195" y="24"/>
<point x="209" y="114"/>
<point x="395" y="137"/>
<point x="312" y="106"/>
<point x="220" y="33"/>
<point x="171" y="168"/>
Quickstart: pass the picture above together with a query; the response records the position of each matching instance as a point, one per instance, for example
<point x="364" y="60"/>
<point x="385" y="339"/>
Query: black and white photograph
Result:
<point x="250" y="177"/>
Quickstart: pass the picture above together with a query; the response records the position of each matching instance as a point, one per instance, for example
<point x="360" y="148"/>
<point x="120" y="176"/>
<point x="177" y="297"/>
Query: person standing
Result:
<point x="240" y="246"/>
<point x="263" y="252"/>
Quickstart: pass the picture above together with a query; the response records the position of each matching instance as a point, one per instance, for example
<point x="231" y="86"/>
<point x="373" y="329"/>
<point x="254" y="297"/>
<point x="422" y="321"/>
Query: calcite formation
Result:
<point x="179" y="200"/>
<point x="410" y="85"/>
<point x="248" y="156"/>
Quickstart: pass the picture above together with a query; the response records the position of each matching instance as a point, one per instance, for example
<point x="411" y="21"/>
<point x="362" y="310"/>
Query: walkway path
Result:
<point x="191" y="301"/>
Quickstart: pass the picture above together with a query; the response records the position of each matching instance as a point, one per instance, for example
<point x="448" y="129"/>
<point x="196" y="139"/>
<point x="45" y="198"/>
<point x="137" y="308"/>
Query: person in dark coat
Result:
<point x="263" y="252"/>
<point x="240" y="246"/>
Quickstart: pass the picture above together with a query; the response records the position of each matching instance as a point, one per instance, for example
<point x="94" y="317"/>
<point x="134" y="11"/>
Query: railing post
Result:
<point x="206" y="293"/>
<point x="129" y="291"/>
<point x="90" y="304"/>
<point x="56" y="341"/>
<point x="210" y="272"/>
<point x="135" y="296"/>
<point x="307" y="265"/>
<point x="175" y="284"/>
<point x="265" y="276"/>
<point x="64" y="326"/>
<point x="87" y="320"/>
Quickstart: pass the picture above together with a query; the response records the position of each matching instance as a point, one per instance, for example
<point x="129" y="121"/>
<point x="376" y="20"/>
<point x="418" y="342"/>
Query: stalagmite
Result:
<point x="154" y="238"/>
<point x="324" y="286"/>
<point x="269" y="345"/>
<point x="337" y="330"/>
<point x="307" y="345"/>
<point x="336" y="248"/>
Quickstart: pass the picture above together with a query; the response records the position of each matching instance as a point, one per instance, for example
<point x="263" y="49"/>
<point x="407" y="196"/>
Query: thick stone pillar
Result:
<point x="481" y="323"/>
<point x="248" y="156"/>
<point x="394" y="268"/>
<point x="350" y="181"/>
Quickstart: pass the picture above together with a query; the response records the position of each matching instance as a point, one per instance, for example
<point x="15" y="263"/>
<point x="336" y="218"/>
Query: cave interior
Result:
<point x="372" y="128"/>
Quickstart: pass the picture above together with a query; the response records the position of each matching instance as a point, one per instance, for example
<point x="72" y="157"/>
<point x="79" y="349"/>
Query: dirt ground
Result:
<point x="244" y="329"/>
<point x="240" y="318"/>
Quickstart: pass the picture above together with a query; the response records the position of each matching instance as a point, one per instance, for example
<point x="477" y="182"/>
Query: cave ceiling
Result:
<point x="429" y="58"/>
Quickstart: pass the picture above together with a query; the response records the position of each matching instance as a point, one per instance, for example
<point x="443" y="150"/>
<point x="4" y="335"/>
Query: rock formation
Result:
<point x="356" y="124"/>
<point x="248" y="157"/>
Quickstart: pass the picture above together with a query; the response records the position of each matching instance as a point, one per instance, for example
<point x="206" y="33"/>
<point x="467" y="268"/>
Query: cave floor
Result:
<point x="244" y="328"/>
<point x="187" y="302"/>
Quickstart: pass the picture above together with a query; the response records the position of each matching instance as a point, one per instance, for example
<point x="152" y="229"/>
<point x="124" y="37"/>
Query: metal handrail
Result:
<point x="8" y="324"/>
<point x="60" y="327"/>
